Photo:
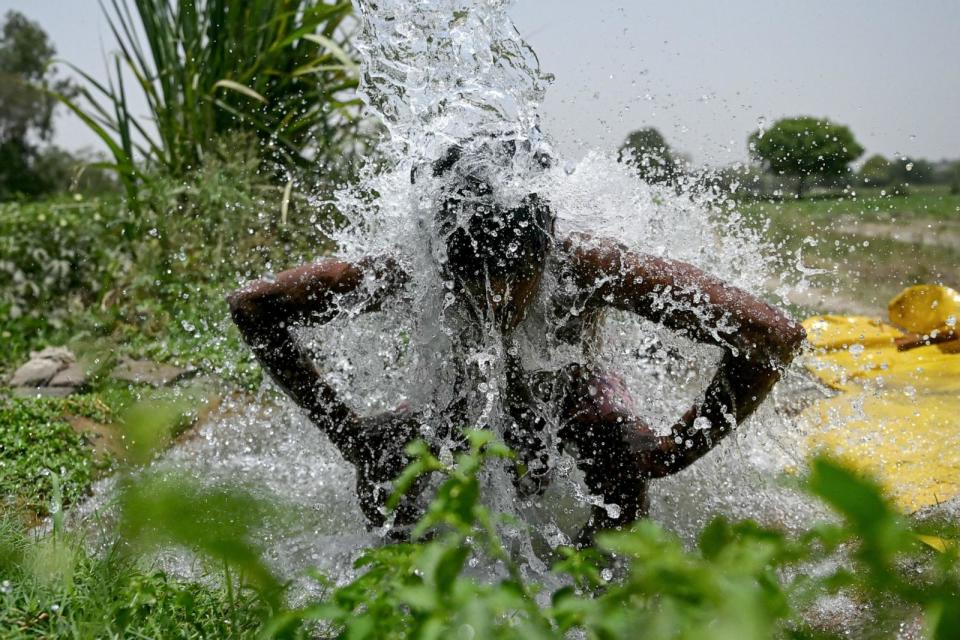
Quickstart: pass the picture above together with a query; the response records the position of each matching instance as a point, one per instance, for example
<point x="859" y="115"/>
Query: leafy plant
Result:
<point x="52" y="587"/>
<point x="39" y="451"/>
<point x="80" y="271"/>
<point x="281" y="69"/>
<point x="742" y="581"/>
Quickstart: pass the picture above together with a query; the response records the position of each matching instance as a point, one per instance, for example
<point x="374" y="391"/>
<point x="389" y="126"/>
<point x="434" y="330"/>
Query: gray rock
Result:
<point x="149" y="372"/>
<point x="73" y="376"/>
<point x="35" y="373"/>
<point x="57" y="354"/>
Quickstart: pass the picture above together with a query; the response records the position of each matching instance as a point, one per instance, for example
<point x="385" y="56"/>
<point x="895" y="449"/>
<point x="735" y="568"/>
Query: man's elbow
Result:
<point x="248" y="305"/>
<point x="789" y="339"/>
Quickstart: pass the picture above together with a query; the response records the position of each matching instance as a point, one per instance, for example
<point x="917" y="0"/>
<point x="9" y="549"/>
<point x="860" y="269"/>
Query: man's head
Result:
<point x="494" y="254"/>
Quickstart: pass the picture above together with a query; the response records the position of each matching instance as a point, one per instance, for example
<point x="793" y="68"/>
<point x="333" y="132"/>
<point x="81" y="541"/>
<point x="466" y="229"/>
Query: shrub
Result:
<point x="280" y="69"/>
<point x="152" y="280"/>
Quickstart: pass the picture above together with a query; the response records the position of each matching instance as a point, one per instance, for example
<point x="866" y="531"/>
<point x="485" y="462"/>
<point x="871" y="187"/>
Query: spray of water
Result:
<point x="456" y="73"/>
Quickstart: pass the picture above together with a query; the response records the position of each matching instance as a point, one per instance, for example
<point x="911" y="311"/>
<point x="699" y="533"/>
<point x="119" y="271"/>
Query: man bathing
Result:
<point x="496" y="259"/>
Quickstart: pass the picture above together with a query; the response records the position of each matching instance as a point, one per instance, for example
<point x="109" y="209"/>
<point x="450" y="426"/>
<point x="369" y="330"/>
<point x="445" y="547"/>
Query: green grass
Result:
<point x="39" y="448"/>
<point x="871" y="245"/>
<point x="52" y="587"/>
<point x="867" y="204"/>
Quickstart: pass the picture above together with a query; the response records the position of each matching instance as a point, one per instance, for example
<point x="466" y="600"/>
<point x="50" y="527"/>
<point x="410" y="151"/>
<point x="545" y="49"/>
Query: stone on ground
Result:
<point x="73" y="376"/>
<point x="53" y="371"/>
<point x="43" y="392"/>
<point x="35" y="373"/>
<point x="148" y="372"/>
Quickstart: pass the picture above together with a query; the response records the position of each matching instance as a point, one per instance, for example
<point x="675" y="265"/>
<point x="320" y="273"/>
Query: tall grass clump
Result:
<point x="282" y="69"/>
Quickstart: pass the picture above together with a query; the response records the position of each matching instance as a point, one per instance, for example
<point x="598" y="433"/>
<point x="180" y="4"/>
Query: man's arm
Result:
<point x="758" y="340"/>
<point x="266" y="312"/>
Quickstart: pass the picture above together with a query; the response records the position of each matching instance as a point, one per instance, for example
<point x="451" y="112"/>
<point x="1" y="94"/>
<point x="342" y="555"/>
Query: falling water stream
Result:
<point x="457" y="72"/>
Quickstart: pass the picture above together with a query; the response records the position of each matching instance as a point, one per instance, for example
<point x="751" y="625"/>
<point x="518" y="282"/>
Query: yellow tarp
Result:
<point x="897" y="415"/>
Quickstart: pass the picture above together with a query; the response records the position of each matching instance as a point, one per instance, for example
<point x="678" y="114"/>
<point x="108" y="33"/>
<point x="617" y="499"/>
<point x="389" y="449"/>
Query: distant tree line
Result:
<point x="30" y="165"/>
<point x="792" y="156"/>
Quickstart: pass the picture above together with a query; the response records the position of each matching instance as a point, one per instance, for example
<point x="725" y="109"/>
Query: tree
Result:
<point x="648" y="152"/>
<point x="912" y="171"/>
<point x="876" y="171"/>
<point x="953" y="177"/>
<point x="26" y="108"/>
<point x="804" y="147"/>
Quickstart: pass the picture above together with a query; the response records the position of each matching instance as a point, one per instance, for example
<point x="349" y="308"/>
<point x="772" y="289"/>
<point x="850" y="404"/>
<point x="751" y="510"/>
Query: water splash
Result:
<point x="456" y="72"/>
<point x="440" y="72"/>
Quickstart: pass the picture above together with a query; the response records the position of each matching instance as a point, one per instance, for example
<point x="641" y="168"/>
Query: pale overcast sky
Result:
<point x="703" y="71"/>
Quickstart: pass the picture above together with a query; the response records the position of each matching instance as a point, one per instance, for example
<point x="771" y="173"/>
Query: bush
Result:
<point x="153" y="281"/>
<point x="57" y="259"/>
<point x="278" y="69"/>
<point x="742" y="580"/>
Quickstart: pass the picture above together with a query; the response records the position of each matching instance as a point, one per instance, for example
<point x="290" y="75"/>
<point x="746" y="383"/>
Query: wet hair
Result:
<point x="484" y="239"/>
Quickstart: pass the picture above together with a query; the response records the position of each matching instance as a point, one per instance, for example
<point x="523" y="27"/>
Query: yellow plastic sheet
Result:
<point x="897" y="413"/>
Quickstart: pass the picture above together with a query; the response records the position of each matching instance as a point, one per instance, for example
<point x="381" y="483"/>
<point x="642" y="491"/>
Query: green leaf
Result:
<point x="419" y="597"/>
<point x="239" y="88"/>
<point x="856" y="497"/>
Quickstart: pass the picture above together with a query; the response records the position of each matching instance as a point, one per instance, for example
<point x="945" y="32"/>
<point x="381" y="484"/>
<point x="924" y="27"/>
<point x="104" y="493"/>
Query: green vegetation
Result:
<point x="806" y="147"/>
<point x="76" y="272"/>
<point x="29" y="165"/>
<point x="97" y="275"/>
<point x="862" y="241"/>
<point x="649" y="154"/>
<point x="52" y="587"/>
<point x="877" y="171"/>
<point x="742" y="580"/>
<point x="41" y="453"/>
<point x="279" y="69"/>
<point x="868" y="205"/>
<point x="733" y="585"/>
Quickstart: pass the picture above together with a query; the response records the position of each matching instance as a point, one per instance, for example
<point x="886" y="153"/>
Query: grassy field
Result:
<point x="871" y="244"/>
<point x="84" y="273"/>
<point x="89" y="275"/>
